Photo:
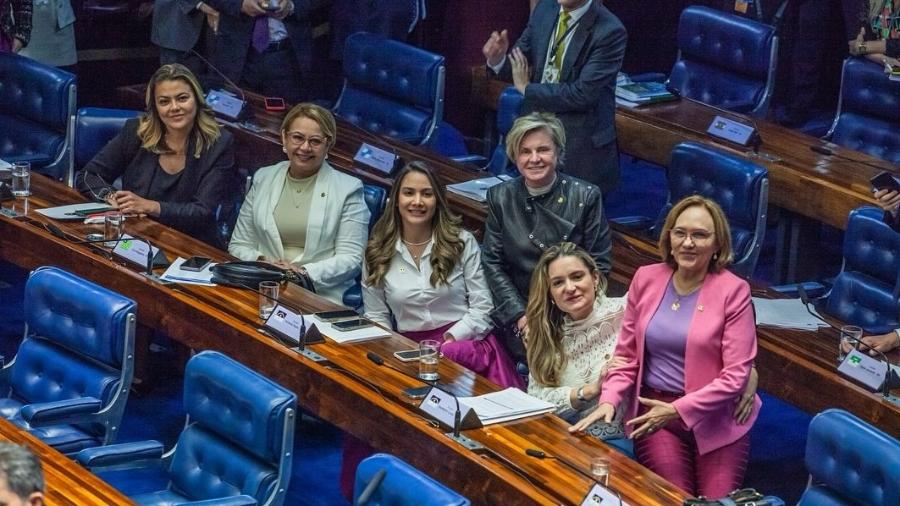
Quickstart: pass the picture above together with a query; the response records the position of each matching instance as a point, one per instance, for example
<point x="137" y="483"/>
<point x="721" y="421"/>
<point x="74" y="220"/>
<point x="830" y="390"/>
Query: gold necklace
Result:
<point x="676" y="304"/>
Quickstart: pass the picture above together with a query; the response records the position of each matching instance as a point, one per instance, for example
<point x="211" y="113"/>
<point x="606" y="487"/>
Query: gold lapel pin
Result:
<point x="700" y="307"/>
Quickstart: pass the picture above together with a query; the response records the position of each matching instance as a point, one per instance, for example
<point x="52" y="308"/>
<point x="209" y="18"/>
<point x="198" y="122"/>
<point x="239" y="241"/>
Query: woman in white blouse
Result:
<point x="425" y="271"/>
<point x="302" y="214"/>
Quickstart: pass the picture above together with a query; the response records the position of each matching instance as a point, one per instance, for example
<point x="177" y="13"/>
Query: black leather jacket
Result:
<point x="520" y="227"/>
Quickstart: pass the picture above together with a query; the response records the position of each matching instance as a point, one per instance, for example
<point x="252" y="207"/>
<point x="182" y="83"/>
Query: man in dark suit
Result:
<point x="265" y="45"/>
<point x="177" y="25"/>
<point x="566" y="63"/>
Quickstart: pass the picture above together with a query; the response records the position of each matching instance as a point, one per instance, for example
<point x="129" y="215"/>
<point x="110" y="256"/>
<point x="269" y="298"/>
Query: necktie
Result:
<point x="260" y="38"/>
<point x="558" y="39"/>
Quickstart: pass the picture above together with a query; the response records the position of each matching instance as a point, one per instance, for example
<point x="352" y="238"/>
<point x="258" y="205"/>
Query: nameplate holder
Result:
<point x="285" y="322"/>
<point x="732" y="131"/>
<point x="136" y="251"/>
<point x="441" y="406"/>
<point x="225" y="103"/>
<point x="860" y="367"/>
<point x="598" y="494"/>
<point x="379" y="159"/>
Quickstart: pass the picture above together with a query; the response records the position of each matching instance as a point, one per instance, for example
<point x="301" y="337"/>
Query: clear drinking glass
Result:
<point x="850" y="335"/>
<point x="21" y="179"/>
<point x="113" y="227"/>
<point x="268" y="294"/>
<point x="429" y="358"/>
<point x="600" y="470"/>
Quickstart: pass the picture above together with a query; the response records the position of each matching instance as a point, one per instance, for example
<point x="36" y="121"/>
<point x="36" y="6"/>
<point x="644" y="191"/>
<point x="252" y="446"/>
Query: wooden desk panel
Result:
<point x="373" y="409"/>
<point x="65" y="482"/>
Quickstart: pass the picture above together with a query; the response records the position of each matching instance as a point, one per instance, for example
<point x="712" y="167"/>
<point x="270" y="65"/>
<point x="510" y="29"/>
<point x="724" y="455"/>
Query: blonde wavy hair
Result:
<point x="152" y="130"/>
<point x="448" y="245"/>
<point x="545" y="320"/>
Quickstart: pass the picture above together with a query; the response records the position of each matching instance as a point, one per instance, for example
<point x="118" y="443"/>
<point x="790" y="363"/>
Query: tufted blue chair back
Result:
<point x="375" y="197"/>
<point x="78" y="344"/>
<point x="36" y="102"/>
<point x="391" y="88"/>
<point x="739" y="186"/>
<point x="866" y="291"/>
<point x="93" y="128"/>
<point x="402" y="485"/>
<point x="725" y="60"/>
<point x="508" y="107"/>
<point x="240" y="436"/>
<point x="868" y="115"/>
<point x="850" y="462"/>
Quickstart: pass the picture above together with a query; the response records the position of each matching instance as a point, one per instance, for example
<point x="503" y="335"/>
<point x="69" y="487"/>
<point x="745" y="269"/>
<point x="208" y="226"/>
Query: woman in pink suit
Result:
<point x="689" y="339"/>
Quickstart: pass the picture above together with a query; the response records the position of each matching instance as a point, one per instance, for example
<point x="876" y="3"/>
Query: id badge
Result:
<point x="551" y="75"/>
<point x="741" y="6"/>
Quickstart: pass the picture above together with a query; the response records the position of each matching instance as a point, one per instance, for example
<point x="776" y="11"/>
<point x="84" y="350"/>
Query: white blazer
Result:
<point x="335" y="236"/>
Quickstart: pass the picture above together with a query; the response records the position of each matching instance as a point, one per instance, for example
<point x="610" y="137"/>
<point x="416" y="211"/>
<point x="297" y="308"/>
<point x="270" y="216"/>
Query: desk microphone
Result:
<point x="538" y="454"/>
<point x="890" y="376"/>
<point x="233" y="111"/>
<point x="53" y="229"/>
<point x="302" y="340"/>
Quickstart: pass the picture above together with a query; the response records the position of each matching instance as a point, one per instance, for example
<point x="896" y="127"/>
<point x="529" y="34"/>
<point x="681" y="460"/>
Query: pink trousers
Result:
<point x="672" y="453"/>
<point x="486" y="357"/>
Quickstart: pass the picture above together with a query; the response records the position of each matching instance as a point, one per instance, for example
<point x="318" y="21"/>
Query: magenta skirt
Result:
<point x="486" y="357"/>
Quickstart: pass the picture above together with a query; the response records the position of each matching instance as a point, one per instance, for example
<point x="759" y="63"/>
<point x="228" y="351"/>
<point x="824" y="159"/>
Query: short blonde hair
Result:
<point x="317" y="113"/>
<point x="524" y="125"/>
<point x="722" y="232"/>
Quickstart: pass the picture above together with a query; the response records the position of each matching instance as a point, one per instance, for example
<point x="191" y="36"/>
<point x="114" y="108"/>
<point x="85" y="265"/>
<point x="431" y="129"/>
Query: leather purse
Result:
<point x="249" y="274"/>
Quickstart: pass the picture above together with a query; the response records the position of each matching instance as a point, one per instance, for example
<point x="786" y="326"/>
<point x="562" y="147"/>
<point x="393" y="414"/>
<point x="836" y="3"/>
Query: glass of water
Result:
<point x="600" y="470"/>
<point x="21" y="179"/>
<point x="429" y="358"/>
<point x="113" y="227"/>
<point x="268" y="295"/>
<point x="850" y="335"/>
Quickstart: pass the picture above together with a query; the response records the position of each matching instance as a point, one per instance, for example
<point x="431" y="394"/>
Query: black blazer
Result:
<point x="205" y="183"/>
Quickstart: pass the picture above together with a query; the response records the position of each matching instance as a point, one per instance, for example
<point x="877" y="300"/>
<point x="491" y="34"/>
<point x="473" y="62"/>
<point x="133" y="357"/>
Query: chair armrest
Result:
<point x="64" y="411"/>
<point x="353" y="297"/>
<point x="130" y="455"/>
<point x="813" y="288"/>
<point x="633" y="222"/>
<point x="649" y="77"/>
<point x="478" y="160"/>
<point x="235" y="500"/>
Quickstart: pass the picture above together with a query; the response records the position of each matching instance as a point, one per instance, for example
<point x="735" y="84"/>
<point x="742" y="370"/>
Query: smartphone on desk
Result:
<point x="333" y="316"/>
<point x="195" y="264"/>
<point x="407" y="355"/>
<point x="354" y="324"/>
<point x="885" y="181"/>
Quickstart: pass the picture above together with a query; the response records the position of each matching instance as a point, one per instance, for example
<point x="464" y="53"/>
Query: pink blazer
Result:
<point x="720" y="349"/>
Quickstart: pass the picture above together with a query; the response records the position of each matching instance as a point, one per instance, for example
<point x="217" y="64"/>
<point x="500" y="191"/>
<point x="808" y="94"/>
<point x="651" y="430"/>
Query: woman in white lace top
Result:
<point x="572" y="331"/>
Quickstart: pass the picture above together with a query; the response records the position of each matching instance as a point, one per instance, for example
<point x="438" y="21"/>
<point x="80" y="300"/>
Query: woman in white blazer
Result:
<point x="302" y="214"/>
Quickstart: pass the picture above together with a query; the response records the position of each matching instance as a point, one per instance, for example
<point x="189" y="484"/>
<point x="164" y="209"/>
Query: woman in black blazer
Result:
<point x="175" y="163"/>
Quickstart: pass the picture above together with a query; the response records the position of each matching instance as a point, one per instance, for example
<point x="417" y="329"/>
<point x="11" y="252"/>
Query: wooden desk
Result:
<point x="65" y="482"/>
<point x="819" y="187"/>
<point x="372" y="409"/>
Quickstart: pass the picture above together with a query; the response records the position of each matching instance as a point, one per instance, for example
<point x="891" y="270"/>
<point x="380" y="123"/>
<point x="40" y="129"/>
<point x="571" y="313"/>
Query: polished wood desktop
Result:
<point x="65" y="482"/>
<point x="349" y="391"/>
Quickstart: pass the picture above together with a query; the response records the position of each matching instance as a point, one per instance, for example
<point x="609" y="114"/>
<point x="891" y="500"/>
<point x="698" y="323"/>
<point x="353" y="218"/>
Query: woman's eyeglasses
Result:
<point x="299" y="140"/>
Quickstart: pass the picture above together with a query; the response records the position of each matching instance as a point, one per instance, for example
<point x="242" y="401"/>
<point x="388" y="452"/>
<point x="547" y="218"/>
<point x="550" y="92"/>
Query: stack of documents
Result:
<point x="174" y="274"/>
<point x="476" y="189"/>
<point x="506" y="405"/>
<point x="345" y="336"/>
<point x="785" y="314"/>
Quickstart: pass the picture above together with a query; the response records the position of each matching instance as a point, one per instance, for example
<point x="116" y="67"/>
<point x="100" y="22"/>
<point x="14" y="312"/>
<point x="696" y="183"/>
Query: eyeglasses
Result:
<point x="300" y="139"/>
<point x="697" y="236"/>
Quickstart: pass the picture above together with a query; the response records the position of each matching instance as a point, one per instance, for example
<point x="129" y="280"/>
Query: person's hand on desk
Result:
<point x="521" y="72"/>
<point x="745" y="402"/>
<point x="605" y="412"/>
<point x="495" y="48"/>
<point x="889" y="200"/>
<point x="130" y="203"/>
<point x="659" y="415"/>
<point x="881" y="342"/>
<point x="284" y="264"/>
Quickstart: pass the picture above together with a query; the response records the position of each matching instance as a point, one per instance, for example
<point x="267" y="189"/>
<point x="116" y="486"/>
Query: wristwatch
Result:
<point x="580" y="394"/>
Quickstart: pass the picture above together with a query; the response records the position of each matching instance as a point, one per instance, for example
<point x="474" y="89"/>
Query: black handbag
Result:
<point x="740" y="497"/>
<point x="249" y="274"/>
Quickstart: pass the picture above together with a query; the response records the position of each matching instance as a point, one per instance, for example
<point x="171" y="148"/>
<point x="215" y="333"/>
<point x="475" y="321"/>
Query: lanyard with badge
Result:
<point x="551" y="69"/>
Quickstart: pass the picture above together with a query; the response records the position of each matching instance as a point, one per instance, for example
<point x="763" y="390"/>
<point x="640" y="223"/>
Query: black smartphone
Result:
<point x="332" y="316"/>
<point x="885" y="181"/>
<point x="195" y="264"/>
<point x="357" y="323"/>
<point x="407" y="355"/>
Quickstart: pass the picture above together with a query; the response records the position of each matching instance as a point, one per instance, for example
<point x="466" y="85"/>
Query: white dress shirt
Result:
<point x="407" y="294"/>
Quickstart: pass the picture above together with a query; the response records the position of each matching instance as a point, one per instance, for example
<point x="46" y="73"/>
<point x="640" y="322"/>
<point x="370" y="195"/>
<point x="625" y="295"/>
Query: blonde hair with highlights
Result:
<point x="152" y="130"/>
<point x="524" y="125"/>
<point x="317" y="113"/>
<point x="546" y="358"/>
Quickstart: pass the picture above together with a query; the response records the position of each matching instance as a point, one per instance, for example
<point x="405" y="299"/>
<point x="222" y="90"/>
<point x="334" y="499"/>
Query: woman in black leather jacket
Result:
<point x="529" y="214"/>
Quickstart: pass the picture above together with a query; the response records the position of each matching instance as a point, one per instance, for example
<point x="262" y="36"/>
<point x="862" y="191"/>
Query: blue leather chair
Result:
<point x="391" y="88"/>
<point x="866" y="291"/>
<point x="850" y="462"/>
<point x="237" y="445"/>
<point x="868" y="115"/>
<point x="69" y="381"/>
<point x="725" y="60"/>
<point x="400" y="485"/>
<point x="741" y="187"/>
<point x="508" y="106"/>
<point x="36" y="102"/>
<point x="375" y="197"/>
<point x="92" y="128"/>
